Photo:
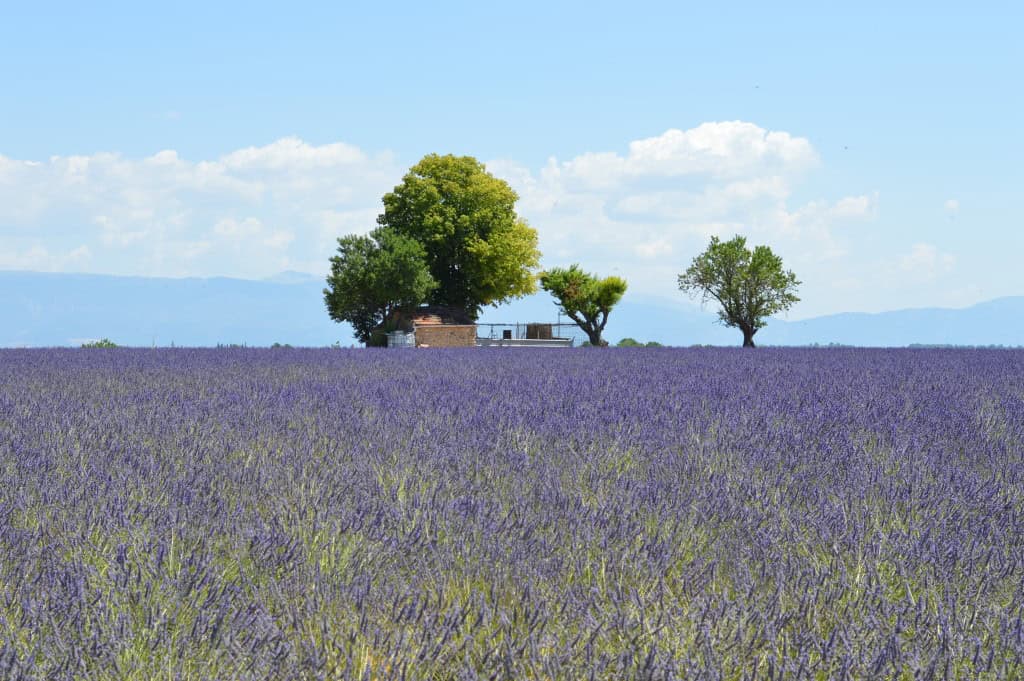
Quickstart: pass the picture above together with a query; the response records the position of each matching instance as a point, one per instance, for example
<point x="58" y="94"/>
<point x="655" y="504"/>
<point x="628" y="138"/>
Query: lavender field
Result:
<point x="464" y="514"/>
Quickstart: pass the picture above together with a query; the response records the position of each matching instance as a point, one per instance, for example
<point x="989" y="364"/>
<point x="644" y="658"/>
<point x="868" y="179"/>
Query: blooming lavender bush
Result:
<point x="635" y="513"/>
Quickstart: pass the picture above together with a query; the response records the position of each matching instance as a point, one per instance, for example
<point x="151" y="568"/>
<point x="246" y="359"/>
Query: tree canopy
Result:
<point x="634" y="343"/>
<point x="101" y="343"/>
<point x="749" y="285"/>
<point x="372" y="276"/>
<point x="584" y="298"/>
<point x="477" y="249"/>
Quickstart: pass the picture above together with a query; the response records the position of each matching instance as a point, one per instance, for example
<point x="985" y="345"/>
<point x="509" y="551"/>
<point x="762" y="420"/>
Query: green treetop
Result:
<point x="372" y="276"/>
<point x="585" y="299"/>
<point x="476" y="248"/>
<point x="749" y="285"/>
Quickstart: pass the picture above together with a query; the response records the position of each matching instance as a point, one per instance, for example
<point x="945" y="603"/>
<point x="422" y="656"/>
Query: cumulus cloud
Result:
<point x="723" y="149"/>
<point x="925" y="262"/>
<point x="251" y="212"/>
<point x="648" y="209"/>
<point x="653" y="248"/>
<point x="291" y="153"/>
<point x="951" y="206"/>
<point x="718" y="151"/>
<point x="641" y="211"/>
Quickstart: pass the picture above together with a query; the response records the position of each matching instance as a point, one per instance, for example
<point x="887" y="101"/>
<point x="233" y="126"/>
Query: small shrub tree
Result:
<point x="749" y="285"/>
<point x="101" y="343"/>
<point x="585" y="299"/>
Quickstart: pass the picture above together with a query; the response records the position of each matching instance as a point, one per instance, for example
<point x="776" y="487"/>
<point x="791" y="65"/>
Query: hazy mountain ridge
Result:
<point x="994" y="322"/>
<point x="46" y="309"/>
<point x="41" y="309"/>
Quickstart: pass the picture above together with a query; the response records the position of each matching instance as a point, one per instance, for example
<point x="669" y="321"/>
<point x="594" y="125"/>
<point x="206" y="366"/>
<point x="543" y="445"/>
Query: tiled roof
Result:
<point x="425" y="319"/>
<point x="431" y="315"/>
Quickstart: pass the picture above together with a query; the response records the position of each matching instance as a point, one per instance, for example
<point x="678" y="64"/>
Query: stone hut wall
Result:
<point x="446" y="335"/>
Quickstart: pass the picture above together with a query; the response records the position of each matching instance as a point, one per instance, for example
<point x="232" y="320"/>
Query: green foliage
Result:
<point x="372" y="276"/>
<point x="634" y="343"/>
<point x="280" y="346"/>
<point x="584" y="298"/>
<point x="102" y="343"/>
<point x="476" y="248"/>
<point x="749" y="285"/>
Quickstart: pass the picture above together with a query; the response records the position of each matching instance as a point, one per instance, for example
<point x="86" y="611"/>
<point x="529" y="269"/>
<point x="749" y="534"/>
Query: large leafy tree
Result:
<point x="477" y="249"/>
<point x="585" y="298"/>
<point x="749" y="285"/>
<point x="372" y="276"/>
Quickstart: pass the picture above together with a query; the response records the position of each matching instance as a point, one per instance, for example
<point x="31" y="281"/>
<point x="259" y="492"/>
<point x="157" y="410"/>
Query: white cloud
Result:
<point x="251" y="212"/>
<point x="291" y="153"/>
<point x="649" y="210"/>
<point x="114" y="234"/>
<point x="279" y="239"/>
<point x="925" y="262"/>
<point x="814" y="225"/>
<point x="641" y="212"/>
<point x="193" y="249"/>
<point x="855" y="206"/>
<point x="951" y="206"/>
<point x="653" y="248"/>
<point x="232" y="228"/>
<point x="39" y="258"/>
<point x="722" y="149"/>
<point x="718" y="150"/>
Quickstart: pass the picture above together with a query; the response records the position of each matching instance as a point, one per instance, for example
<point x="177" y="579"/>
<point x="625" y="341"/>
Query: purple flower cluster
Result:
<point x="464" y="514"/>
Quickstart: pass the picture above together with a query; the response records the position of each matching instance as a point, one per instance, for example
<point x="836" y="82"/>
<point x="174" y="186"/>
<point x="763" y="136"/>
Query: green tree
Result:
<point x="584" y="298"/>
<point x="634" y="343"/>
<point x="477" y="249"/>
<point x="372" y="276"/>
<point x="101" y="343"/>
<point x="749" y="285"/>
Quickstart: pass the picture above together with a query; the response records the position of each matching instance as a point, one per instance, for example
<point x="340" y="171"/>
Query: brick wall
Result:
<point x="446" y="335"/>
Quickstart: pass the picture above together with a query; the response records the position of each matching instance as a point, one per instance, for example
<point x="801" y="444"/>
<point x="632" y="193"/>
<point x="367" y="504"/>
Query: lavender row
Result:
<point x="649" y="513"/>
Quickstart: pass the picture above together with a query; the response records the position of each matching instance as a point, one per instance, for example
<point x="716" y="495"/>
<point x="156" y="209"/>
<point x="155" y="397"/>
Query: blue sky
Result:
<point x="877" y="149"/>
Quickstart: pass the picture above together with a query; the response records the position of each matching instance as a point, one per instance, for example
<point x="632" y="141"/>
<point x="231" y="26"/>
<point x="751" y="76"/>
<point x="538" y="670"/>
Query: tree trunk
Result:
<point x="748" y="336"/>
<point x="595" y="339"/>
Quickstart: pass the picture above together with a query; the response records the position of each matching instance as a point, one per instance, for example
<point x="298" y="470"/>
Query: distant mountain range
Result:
<point x="41" y="309"/>
<point x="44" y="309"/>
